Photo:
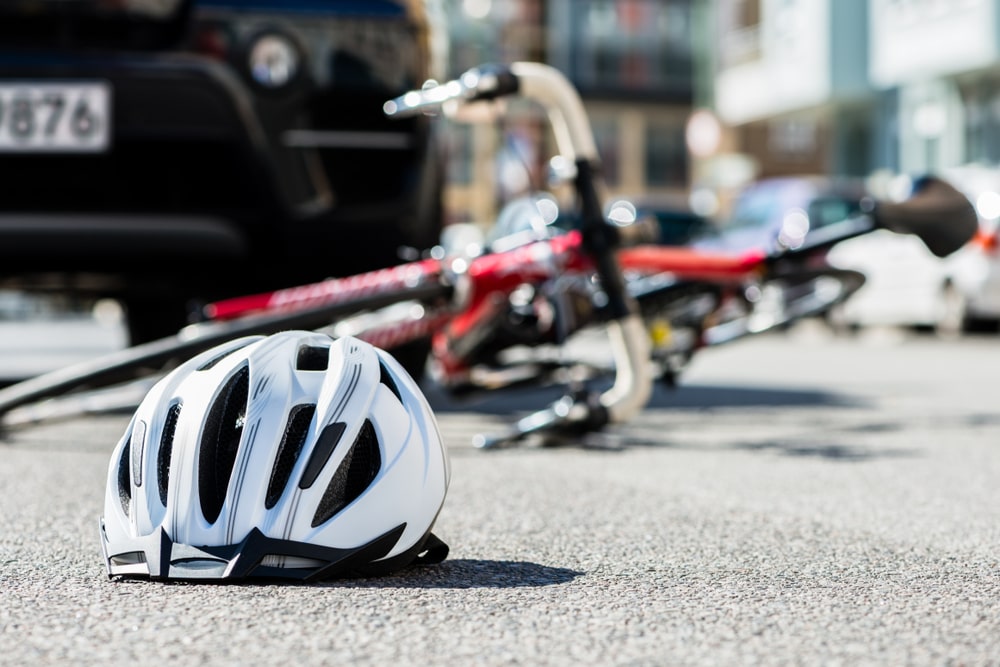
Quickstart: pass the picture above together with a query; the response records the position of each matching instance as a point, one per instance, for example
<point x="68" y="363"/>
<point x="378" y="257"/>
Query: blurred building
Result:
<point x="939" y="63"/>
<point x="858" y="87"/>
<point x="791" y="83"/>
<point x="633" y="62"/>
<point x="712" y="93"/>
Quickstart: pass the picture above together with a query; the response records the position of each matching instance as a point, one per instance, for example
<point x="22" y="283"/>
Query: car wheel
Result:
<point x="837" y="321"/>
<point x="413" y="357"/>
<point x="983" y="325"/>
<point x="150" y="318"/>
<point x="954" y="317"/>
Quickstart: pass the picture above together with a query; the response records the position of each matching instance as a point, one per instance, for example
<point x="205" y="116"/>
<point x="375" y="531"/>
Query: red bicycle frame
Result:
<point x="482" y="286"/>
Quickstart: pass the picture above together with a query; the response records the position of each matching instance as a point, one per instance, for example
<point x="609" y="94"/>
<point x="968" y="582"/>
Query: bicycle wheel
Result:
<point x="157" y="356"/>
<point x="675" y="313"/>
<point x="784" y="298"/>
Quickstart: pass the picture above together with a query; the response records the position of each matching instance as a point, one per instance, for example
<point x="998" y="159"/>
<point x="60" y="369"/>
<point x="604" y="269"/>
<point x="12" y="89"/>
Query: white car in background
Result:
<point x="908" y="286"/>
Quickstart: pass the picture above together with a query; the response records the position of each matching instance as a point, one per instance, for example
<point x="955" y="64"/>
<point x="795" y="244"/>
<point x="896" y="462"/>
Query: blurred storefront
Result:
<point x="859" y="87"/>
<point x="632" y="61"/>
<point x="941" y="58"/>
<point x="791" y="84"/>
<point x="845" y="87"/>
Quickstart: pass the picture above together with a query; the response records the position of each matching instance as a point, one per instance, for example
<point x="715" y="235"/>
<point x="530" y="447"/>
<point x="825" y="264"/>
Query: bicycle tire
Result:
<point x="152" y="357"/>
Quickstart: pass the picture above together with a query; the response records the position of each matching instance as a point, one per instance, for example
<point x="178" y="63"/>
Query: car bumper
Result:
<point x="195" y="165"/>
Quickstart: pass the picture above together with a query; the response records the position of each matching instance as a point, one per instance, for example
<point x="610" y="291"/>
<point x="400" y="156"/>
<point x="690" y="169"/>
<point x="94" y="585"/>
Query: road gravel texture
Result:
<point x="800" y="500"/>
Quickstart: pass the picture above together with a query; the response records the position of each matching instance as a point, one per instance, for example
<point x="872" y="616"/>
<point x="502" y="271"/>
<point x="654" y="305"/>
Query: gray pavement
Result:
<point x="800" y="500"/>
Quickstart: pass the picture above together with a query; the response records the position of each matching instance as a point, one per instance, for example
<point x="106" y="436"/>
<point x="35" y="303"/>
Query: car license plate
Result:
<point x="54" y="117"/>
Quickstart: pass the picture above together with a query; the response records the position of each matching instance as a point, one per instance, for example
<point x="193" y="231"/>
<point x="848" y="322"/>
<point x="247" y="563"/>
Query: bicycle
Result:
<point x="540" y="291"/>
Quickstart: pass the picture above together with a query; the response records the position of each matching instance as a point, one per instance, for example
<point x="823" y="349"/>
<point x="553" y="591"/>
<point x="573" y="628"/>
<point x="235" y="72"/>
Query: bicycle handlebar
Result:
<point x="937" y="213"/>
<point x="941" y="216"/>
<point x="486" y="82"/>
<point x="534" y="81"/>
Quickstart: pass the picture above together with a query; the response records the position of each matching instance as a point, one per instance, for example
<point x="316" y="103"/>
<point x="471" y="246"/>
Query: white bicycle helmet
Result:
<point x="289" y="456"/>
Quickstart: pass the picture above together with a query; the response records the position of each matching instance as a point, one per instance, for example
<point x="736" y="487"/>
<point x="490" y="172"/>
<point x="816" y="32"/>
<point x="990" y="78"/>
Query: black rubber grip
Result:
<point x="506" y="82"/>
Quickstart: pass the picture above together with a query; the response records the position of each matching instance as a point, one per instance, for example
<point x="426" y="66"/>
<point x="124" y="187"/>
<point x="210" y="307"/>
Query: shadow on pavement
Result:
<point x="713" y="396"/>
<point x="830" y="451"/>
<point x="789" y="445"/>
<point x="463" y="573"/>
<point x="513" y="401"/>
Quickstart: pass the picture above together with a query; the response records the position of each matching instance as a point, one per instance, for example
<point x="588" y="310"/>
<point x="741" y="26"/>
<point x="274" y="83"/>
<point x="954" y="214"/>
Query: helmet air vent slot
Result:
<point x="299" y="419"/>
<point x="325" y="444"/>
<point x="124" y="476"/>
<point x="220" y="442"/>
<point x="166" y="448"/>
<point x="355" y="474"/>
<point x="219" y="357"/>
<point x="313" y="358"/>
<point x="387" y="380"/>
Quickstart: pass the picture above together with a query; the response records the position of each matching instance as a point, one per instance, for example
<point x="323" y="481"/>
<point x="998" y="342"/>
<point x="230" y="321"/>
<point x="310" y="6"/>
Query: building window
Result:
<point x="739" y="29"/>
<point x="631" y="46"/>
<point x="606" y="136"/>
<point x="460" y="153"/>
<point x="792" y="138"/>
<point x="666" y="156"/>
<point x="982" y="122"/>
<point x="747" y="13"/>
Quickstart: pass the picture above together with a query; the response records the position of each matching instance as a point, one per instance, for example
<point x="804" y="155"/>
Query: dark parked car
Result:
<point x="164" y="151"/>
<point x="776" y="212"/>
<point x="677" y="224"/>
<point x="672" y="218"/>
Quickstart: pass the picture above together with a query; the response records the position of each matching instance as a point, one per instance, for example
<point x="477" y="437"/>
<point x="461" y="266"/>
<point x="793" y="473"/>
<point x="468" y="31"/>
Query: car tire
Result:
<point x="151" y="318"/>
<point x="413" y="357"/>
<point x="953" y="320"/>
<point x="981" y="325"/>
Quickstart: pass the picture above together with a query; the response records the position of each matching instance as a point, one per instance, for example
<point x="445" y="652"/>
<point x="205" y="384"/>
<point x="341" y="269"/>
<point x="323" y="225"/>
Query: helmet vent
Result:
<point x="219" y="357"/>
<point x="327" y="441"/>
<point x="355" y="473"/>
<point x="166" y="448"/>
<point x="124" y="476"/>
<point x="220" y="441"/>
<point x="387" y="380"/>
<point x="313" y="358"/>
<point x="288" y="451"/>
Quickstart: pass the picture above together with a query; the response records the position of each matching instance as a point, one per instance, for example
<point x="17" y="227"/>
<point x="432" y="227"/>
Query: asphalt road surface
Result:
<point x="800" y="500"/>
